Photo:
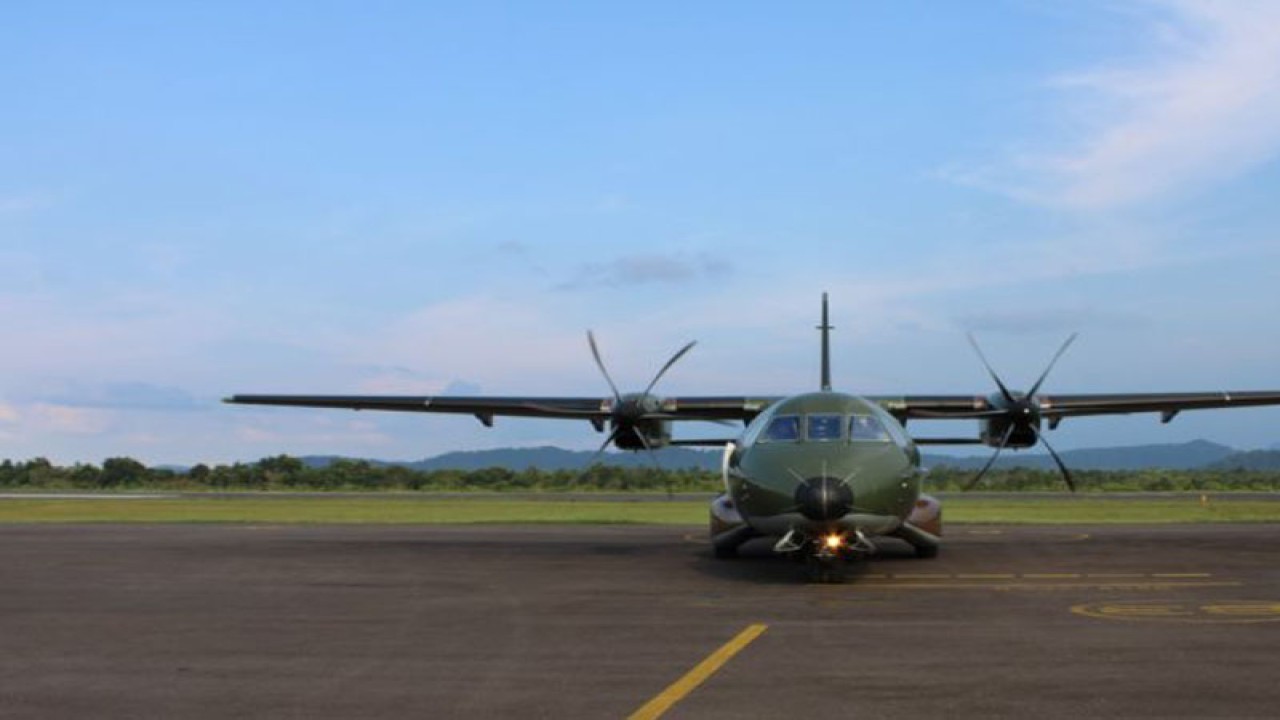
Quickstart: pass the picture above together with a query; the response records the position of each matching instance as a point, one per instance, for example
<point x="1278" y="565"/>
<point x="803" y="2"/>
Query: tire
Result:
<point x="825" y="572"/>
<point x="926" y="552"/>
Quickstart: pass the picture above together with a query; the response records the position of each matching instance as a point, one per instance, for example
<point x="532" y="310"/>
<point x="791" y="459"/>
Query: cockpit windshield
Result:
<point x="784" y="428"/>
<point x="867" y="427"/>
<point x="825" y="428"/>
<point x="828" y="428"/>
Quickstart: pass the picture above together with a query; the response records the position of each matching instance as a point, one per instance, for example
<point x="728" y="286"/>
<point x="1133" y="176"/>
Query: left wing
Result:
<point x="1056" y="407"/>
<point x="486" y="409"/>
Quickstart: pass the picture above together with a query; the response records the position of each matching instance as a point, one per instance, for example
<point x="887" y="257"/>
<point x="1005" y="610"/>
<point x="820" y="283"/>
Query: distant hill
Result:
<point x="1178" y="456"/>
<point x="549" y="458"/>
<point x="1250" y="460"/>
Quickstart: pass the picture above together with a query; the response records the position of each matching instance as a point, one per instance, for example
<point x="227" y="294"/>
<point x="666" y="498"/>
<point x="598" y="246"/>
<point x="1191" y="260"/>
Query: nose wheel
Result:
<point x="826" y="570"/>
<point x="827" y="557"/>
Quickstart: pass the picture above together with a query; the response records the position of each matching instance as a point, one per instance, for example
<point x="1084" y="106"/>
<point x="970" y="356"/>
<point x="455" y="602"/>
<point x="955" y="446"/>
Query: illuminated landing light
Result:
<point x="833" y="541"/>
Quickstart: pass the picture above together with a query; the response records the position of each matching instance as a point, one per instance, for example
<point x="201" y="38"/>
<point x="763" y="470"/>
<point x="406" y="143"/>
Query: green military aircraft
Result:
<point x="821" y="473"/>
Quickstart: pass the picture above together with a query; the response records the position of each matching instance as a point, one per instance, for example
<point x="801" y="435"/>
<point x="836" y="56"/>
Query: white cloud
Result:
<point x="1202" y="108"/>
<point x="481" y="339"/>
<point x="133" y="395"/>
<point x="649" y="269"/>
<point x="140" y="332"/>
<point x="64" y="420"/>
<point x="300" y="436"/>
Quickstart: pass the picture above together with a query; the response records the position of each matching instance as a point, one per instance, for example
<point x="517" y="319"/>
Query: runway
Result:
<point x="580" y="621"/>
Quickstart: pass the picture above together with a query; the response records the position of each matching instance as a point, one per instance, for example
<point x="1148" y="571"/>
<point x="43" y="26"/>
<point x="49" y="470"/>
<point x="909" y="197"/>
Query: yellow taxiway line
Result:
<point x="1038" y="581"/>
<point x="677" y="690"/>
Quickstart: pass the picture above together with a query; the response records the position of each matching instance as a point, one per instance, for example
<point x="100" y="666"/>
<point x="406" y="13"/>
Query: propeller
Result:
<point x="629" y="410"/>
<point x="1022" y="411"/>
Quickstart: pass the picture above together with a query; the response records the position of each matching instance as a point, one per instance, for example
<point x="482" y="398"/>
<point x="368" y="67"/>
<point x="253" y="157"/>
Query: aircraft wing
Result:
<point x="486" y="408"/>
<point x="1056" y="407"/>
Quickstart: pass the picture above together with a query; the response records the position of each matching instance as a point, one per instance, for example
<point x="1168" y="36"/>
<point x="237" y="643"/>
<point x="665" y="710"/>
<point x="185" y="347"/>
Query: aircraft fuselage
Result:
<point x="819" y="468"/>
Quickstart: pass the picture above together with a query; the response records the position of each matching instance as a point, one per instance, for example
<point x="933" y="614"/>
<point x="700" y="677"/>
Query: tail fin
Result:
<point x="826" y="329"/>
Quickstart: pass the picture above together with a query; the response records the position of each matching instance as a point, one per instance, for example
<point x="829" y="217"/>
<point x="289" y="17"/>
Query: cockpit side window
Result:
<point x="867" y="428"/>
<point x="825" y="428"/>
<point x="784" y="428"/>
<point x="898" y="433"/>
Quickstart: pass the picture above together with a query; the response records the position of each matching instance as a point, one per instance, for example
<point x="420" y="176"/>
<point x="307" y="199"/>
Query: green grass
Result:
<point x="350" y="510"/>
<point x="495" y="509"/>
<point x="1094" y="510"/>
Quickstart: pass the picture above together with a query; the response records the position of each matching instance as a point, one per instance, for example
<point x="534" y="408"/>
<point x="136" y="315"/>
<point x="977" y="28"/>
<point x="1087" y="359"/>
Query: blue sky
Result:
<point x="378" y="197"/>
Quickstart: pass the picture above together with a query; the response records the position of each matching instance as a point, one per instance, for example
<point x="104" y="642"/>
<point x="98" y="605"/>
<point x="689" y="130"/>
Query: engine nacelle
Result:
<point x="1025" y="432"/>
<point x="628" y="436"/>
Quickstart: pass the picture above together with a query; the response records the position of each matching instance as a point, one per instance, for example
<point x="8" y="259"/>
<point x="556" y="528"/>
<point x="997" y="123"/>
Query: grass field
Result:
<point x="496" y="509"/>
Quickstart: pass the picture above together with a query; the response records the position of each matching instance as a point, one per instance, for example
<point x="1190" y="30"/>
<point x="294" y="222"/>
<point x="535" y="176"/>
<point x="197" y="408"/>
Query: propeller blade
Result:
<point x="643" y="440"/>
<point x="1008" y="433"/>
<point x="999" y="383"/>
<point x="653" y="456"/>
<point x="603" y="446"/>
<point x="1066" y="474"/>
<point x="1035" y="388"/>
<point x="648" y="449"/>
<point x="595" y="352"/>
<point x="679" y="354"/>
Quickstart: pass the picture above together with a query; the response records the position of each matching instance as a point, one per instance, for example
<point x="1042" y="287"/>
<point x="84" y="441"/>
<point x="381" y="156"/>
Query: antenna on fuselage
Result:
<point x="826" y="329"/>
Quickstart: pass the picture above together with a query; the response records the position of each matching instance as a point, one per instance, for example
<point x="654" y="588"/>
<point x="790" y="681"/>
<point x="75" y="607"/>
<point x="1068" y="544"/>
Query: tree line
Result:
<point x="285" y="473"/>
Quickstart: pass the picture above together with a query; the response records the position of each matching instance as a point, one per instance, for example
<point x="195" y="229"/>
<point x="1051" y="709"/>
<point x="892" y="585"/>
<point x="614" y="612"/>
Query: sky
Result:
<point x="202" y="199"/>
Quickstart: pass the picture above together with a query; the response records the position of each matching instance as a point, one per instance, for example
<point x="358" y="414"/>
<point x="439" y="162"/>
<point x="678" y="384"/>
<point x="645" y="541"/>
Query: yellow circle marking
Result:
<point x="1219" y="612"/>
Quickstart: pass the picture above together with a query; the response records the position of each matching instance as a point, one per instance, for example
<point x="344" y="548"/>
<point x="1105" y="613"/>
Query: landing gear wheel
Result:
<point x="825" y="570"/>
<point x="724" y="553"/>
<point x="926" y="552"/>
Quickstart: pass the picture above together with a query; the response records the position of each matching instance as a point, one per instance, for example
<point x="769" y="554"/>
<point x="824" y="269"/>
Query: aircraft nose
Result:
<point x="824" y="498"/>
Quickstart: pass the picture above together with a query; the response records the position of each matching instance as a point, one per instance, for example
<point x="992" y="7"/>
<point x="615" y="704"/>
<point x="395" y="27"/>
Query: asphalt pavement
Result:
<point x="597" y="621"/>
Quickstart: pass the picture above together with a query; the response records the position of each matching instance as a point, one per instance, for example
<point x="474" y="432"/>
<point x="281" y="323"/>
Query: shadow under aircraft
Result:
<point x="823" y="474"/>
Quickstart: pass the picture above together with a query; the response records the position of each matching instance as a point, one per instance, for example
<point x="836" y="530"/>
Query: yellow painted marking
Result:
<point x="1050" y="576"/>
<point x="1244" y="609"/>
<point x="676" y="691"/>
<point x="1181" y="575"/>
<point x="985" y="576"/>
<point x="1222" y="612"/>
<point x="920" y="576"/>
<point x="1115" y="575"/>
<point x="971" y="585"/>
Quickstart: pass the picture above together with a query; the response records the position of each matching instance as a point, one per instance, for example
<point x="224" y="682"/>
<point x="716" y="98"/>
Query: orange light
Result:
<point x="833" y="541"/>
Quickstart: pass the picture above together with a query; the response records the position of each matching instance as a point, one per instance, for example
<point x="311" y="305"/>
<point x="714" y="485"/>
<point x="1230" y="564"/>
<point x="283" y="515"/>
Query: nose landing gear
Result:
<point x="827" y="556"/>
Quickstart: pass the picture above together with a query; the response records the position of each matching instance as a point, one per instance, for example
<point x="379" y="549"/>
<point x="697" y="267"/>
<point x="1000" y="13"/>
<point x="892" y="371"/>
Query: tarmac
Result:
<point x="218" y="621"/>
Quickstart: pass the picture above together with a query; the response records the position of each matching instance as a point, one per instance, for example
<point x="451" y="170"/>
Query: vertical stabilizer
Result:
<point x="826" y="328"/>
